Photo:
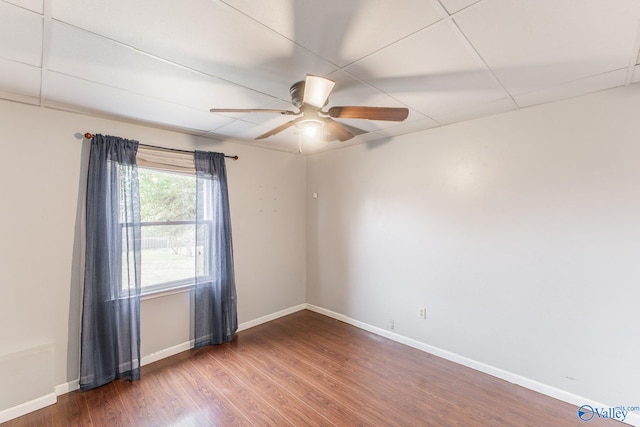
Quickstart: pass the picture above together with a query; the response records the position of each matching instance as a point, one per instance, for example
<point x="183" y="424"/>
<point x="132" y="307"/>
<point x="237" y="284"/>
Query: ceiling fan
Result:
<point x="310" y="96"/>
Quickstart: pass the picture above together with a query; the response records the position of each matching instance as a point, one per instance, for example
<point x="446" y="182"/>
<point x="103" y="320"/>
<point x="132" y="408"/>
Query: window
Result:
<point x="168" y="231"/>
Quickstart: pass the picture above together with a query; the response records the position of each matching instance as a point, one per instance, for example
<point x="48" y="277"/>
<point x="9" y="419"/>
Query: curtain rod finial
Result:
<point x="88" y="135"/>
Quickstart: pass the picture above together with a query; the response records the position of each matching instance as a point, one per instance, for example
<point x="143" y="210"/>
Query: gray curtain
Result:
<point x="215" y="316"/>
<point x="110" y="342"/>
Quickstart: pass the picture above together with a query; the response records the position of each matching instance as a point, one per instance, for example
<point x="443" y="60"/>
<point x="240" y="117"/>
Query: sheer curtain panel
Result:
<point x="110" y="342"/>
<point x="215" y="316"/>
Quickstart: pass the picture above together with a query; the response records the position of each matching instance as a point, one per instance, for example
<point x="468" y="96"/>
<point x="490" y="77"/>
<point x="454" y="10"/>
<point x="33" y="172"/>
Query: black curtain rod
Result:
<point x="90" y="136"/>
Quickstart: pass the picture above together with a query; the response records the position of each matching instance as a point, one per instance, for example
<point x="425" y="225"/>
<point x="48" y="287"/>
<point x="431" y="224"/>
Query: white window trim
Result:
<point x="166" y="160"/>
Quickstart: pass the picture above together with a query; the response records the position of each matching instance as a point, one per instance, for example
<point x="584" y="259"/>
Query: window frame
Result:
<point x="180" y="285"/>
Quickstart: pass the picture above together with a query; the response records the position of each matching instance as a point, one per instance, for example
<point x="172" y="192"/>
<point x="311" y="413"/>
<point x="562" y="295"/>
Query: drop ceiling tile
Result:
<point x="206" y="35"/>
<point x="19" y="79"/>
<point x="20" y="34"/>
<point x="454" y="6"/>
<point x="573" y="89"/>
<point x="495" y="107"/>
<point x="240" y="129"/>
<point x="536" y="44"/>
<point x="342" y="31"/>
<point x="405" y="128"/>
<point x="95" y="98"/>
<point x="34" y="5"/>
<point x="432" y="71"/>
<point x="91" y="57"/>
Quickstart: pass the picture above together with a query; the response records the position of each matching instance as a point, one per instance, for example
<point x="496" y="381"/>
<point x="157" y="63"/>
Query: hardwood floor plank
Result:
<point x="217" y="409"/>
<point x="142" y="405"/>
<point x="72" y="407"/>
<point x="108" y="408"/>
<point x="302" y="386"/>
<point x="296" y="411"/>
<point x="364" y="391"/>
<point x="306" y="369"/>
<point x="248" y="402"/>
<point x="370" y="385"/>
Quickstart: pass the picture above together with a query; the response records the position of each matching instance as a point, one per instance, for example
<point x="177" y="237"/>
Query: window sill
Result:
<point x="166" y="292"/>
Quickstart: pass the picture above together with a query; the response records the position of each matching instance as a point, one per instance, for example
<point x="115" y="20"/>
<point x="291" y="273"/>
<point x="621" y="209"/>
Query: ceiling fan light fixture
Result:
<point x="317" y="90"/>
<point x="310" y="127"/>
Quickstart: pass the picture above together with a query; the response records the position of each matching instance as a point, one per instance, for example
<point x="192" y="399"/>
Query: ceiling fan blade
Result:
<point x="276" y="130"/>
<point x="338" y="130"/>
<point x="354" y="130"/>
<point x="317" y="90"/>
<point x="370" y="113"/>
<point x="250" y="110"/>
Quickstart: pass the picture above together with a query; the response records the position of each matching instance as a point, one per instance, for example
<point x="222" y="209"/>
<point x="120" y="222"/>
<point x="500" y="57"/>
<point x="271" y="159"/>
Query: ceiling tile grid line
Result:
<point x="74" y="77"/>
<point x="447" y="16"/>
<point x="635" y="54"/>
<point x="444" y="18"/>
<point x="275" y="31"/>
<point x="460" y="6"/>
<point x="46" y="48"/>
<point x="469" y="45"/>
<point x="150" y="55"/>
<point x="18" y="5"/>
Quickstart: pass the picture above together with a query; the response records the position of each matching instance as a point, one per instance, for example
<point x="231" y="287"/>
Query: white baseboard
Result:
<point x="67" y="387"/>
<point x="270" y="317"/>
<point x="171" y="351"/>
<point x="167" y="352"/>
<point x="633" y="418"/>
<point x="25" y="408"/>
<point x="162" y="354"/>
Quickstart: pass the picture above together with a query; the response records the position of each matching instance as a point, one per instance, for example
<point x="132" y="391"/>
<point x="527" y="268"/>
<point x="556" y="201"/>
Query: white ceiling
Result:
<point x="165" y="63"/>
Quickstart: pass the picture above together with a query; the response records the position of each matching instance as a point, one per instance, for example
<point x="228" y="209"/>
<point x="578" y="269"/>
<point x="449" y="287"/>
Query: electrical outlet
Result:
<point x="422" y="311"/>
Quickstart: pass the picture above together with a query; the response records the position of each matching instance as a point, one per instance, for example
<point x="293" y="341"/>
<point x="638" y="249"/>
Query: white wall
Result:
<point x="520" y="234"/>
<point x="43" y="177"/>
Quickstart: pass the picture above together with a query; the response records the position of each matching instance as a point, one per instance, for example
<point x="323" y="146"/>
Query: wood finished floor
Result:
<point x="306" y="369"/>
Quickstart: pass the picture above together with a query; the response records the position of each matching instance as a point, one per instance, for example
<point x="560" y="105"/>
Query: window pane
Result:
<point x="166" y="196"/>
<point x="168" y="254"/>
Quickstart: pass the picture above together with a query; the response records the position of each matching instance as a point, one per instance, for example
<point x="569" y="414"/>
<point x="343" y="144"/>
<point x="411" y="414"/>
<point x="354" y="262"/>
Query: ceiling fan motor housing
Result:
<point x="297" y="93"/>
